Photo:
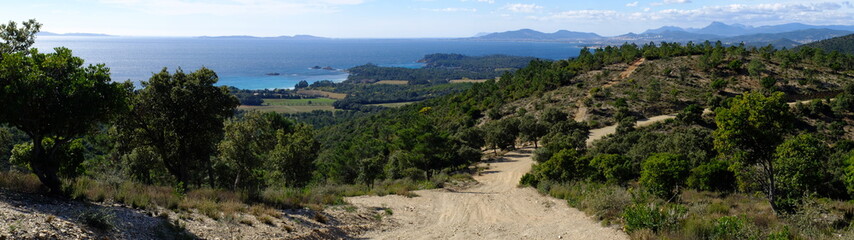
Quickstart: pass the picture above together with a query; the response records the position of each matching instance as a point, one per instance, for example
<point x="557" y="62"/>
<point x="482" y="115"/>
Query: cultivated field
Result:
<point x="293" y="105"/>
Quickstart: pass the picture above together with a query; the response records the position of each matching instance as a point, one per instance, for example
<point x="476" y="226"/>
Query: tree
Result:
<point x="245" y="148"/>
<point x="748" y="132"/>
<point x="755" y="68"/>
<point x="180" y="116"/>
<point x="501" y="134"/>
<point x="802" y="169"/>
<point x="54" y="99"/>
<point x="301" y="84"/>
<point x="553" y="116"/>
<point x="294" y="155"/>
<point x="664" y="173"/>
<point x="18" y="39"/>
<point x="531" y="129"/>
<point x="691" y="114"/>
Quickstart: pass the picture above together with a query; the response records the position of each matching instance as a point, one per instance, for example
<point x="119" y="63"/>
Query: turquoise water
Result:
<point x="246" y="63"/>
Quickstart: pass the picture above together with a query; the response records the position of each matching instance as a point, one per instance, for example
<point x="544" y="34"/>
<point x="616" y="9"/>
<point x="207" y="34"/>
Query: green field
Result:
<point x="393" y="105"/>
<point x="293" y="105"/>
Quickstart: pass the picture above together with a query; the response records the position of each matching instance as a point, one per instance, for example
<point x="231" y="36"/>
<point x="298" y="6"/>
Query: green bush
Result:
<point x="712" y="176"/>
<point x="731" y="227"/>
<point x="614" y="168"/>
<point x="664" y="173"/>
<point x="801" y="163"/>
<point x="652" y="216"/>
<point x="564" y="166"/>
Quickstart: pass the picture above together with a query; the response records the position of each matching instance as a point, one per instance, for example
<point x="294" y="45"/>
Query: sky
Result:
<point x="407" y="18"/>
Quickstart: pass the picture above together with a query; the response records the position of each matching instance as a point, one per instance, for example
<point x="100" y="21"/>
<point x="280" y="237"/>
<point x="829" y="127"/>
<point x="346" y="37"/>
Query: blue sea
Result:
<point x="246" y="62"/>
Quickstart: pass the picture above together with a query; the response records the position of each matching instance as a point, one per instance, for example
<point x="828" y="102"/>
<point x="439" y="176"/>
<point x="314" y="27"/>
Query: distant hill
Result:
<point x="73" y="34"/>
<point x="528" y="34"/>
<point x="731" y="30"/>
<point x="798" y="37"/>
<point x="295" y="37"/>
<point x="844" y="44"/>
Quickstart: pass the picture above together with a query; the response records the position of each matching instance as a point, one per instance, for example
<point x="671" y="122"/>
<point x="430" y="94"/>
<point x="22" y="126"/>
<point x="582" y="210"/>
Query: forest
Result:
<point x="440" y="68"/>
<point x="80" y="133"/>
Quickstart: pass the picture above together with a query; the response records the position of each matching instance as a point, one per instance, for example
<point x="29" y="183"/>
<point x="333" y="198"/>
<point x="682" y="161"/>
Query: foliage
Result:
<point x="651" y="216"/>
<point x="748" y="132"/>
<point x="18" y="39"/>
<point x="532" y="130"/>
<point x="440" y="68"/>
<point x="53" y="96"/>
<point x="792" y="158"/>
<point x="663" y="174"/>
<point x="564" y="166"/>
<point x="614" y="168"/>
<point x="180" y="117"/>
<point x="501" y="134"/>
<point x="712" y="176"/>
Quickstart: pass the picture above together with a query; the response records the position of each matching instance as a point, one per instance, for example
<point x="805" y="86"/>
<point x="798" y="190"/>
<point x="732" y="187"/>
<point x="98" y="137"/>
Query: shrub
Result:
<point x="664" y="173"/>
<point x="564" y="166"/>
<point x="614" y="168"/>
<point x="101" y="219"/>
<point x="652" y="216"/>
<point x="712" y="176"/>
<point x="731" y="227"/>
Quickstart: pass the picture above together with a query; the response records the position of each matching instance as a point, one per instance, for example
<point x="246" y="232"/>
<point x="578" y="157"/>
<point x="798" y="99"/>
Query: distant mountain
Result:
<point x="800" y="36"/>
<point x="528" y="34"/>
<point x="295" y="37"/>
<point x="669" y="36"/>
<point x="732" y="30"/>
<point x="73" y="34"/>
<point x="665" y="29"/>
<point x="722" y="29"/>
<point x="844" y="44"/>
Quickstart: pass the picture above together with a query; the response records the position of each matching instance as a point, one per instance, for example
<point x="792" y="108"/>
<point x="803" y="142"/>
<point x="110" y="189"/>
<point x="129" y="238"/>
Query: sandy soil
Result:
<point x="494" y="209"/>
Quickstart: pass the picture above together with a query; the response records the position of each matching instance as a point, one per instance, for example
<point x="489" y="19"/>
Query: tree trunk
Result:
<point x="45" y="167"/>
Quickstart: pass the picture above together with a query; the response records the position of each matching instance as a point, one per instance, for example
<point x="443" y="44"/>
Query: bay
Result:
<point x="267" y="63"/>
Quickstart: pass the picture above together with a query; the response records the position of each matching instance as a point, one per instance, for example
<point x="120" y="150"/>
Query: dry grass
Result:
<point x="468" y="80"/>
<point x="318" y="93"/>
<point x="287" y="109"/>
<point x="393" y="82"/>
<point x="21" y="182"/>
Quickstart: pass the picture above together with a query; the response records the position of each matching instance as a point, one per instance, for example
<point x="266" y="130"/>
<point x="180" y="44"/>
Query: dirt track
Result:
<point x="494" y="209"/>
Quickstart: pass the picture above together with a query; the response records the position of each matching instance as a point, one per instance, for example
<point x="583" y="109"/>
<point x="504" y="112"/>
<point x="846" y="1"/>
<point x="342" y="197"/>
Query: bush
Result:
<point x="564" y="166"/>
<point x="664" y="173"/>
<point x="652" y="216"/>
<point x="731" y="227"/>
<point x="712" y="176"/>
<point x="614" y="168"/>
<point x="100" y="219"/>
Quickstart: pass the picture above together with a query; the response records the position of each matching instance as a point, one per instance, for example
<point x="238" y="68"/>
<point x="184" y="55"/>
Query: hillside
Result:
<point x="844" y="44"/>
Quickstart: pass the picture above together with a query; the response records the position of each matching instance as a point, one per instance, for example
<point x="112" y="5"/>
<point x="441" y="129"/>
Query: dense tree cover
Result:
<point x="177" y="119"/>
<point x="439" y="68"/>
<point x="54" y="99"/>
<point x="359" y="95"/>
<point x="264" y="149"/>
<point x="843" y="44"/>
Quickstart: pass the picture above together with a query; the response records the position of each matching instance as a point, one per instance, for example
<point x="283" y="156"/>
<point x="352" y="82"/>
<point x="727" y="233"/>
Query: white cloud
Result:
<point x="453" y="9"/>
<point x="667" y="2"/>
<point x="522" y="8"/>
<point x="233" y="7"/>
<point x="483" y="1"/>
<point x="811" y="13"/>
<point x="632" y="4"/>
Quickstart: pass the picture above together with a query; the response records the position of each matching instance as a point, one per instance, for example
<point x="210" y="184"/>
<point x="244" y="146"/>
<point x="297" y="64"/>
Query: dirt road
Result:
<point x="494" y="209"/>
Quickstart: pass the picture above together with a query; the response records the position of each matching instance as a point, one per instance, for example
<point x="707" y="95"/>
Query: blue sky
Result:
<point x="407" y="18"/>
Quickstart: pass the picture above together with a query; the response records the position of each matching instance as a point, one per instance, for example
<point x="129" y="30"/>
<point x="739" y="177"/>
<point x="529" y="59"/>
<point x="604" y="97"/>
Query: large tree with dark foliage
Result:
<point x="748" y="133"/>
<point x="54" y="99"/>
<point x="180" y="116"/>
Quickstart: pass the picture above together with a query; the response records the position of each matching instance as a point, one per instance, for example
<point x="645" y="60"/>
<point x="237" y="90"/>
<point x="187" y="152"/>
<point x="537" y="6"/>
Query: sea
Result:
<point x="271" y="63"/>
